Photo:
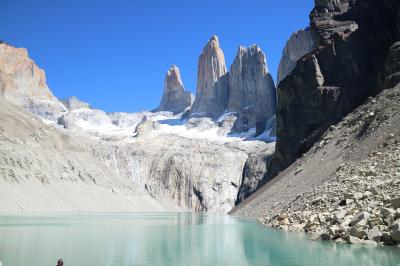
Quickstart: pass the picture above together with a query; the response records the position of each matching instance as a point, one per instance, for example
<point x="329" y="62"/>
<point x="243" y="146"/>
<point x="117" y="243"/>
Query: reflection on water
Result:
<point x="168" y="239"/>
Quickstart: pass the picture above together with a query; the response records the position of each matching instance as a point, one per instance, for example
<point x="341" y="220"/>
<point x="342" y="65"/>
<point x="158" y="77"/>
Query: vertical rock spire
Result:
<point x="175" y="99"/>
<point x="211" y="89"/>
<point x="252" y="92"/>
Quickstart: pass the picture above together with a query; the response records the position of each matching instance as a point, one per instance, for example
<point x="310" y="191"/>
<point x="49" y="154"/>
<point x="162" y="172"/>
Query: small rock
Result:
<point x="340" y="215"/>
<point x="325" y="236"/>
<point x="395" y="203"/>
<point x="374" y="235"/>
<point x="355" y="196"/>
<point x="386" y="238"/>
<point x="375" y="221"/>
<point x="354" y="240"/>
<point x="346" y="221"/>
<point x="360" y="218"/>
<point x="357" y="232"/>
<point x="387" y="211"/>
<point x="395" y="235"/>
<point x="369" y="242"/>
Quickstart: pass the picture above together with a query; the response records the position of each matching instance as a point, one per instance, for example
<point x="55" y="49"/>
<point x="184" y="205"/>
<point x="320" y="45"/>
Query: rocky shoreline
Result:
<point x="359" y="204"/>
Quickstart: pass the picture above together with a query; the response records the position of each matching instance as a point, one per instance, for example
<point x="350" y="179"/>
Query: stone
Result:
<point x="23" y="83"/>
<point x="346" y="221"/>
<point x="360" y="218"/>
<point x="395" y="203"/>
<point x="252" y="92"/>
<point x="325" y="236"/>
<point x="375" y="221"/>
<point x="369" y="243"/>
<point x="357" y="232"/>
<point x="212" y="89"/>
<point x="354" y="240"/>
<point x="374" y="235"/>
<point x="340" y="215"/>
<point x="355" y="196"/>
<point x="146" y="127"/>
<point x="395" y="235"/>
<point x="395" y="225"/>
<point x="387" y="211"/>
<point x="334" y="230"/>
<point x="175" y="99"/>
<point x="73" y="103"/>
<point x="298" y="45"/>
<point x="386" y="238"/>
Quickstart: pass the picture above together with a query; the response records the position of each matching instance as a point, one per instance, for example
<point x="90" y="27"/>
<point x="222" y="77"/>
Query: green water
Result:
<point x="168" y="239"/>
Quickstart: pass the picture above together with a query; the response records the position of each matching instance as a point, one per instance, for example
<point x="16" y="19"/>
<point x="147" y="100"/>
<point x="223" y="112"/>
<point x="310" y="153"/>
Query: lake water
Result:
<point x="168" y="239"/>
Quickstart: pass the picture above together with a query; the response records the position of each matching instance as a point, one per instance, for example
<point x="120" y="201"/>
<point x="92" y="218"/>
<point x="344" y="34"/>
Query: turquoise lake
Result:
<point x="168" y="239"/>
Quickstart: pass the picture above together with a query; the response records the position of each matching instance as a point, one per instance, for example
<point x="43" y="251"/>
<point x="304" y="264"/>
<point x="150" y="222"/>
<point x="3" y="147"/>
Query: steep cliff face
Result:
<point x="299" y="44"/>
<point x="24" y="83"/>
<point x="175" y="99"/>
<point x="252" y="92"/>
<point x="211" y="91"/>
<point x="352" y="39"/>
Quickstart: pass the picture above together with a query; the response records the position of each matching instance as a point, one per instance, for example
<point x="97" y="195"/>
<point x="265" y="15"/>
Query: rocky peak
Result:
<point x="23" y="83"/>
<point x="211" y="68"/>
<point x="252" y="92"/>
<point x="298" y="45"/>
<point x="175" y="99"/>
<point x="73" y="103"/>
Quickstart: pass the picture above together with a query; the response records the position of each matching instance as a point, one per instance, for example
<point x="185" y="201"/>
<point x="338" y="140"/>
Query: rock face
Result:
<point x="252" y="91"/>
<point x="73" y="103"/>
<point x="298" y="45"/>
<point x="352" y="39"/>
<point x="24" y="83"/>
<point x="175" y="99"/>
<point x="212" y="89"/>
<point x="248" y="90"/>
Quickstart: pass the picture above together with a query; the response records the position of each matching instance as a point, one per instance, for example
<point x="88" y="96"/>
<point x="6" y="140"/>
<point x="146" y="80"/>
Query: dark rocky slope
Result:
<point x="352" y="39"/>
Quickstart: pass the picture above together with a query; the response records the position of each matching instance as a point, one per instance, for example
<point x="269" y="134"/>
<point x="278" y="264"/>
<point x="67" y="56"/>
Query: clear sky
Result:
<point x="114" y="54"/>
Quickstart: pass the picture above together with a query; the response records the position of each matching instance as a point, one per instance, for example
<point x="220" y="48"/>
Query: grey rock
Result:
<point x="354" y="240"/>
<point x="395" y="203"/>
<point x="369" y="243"/>
<point x="212" y="88"/>
<point x="374" y="235"/>
<point x="252" y="91"/>
<point x="386" y="238"/>
<point x="175" y="99"/>
<point x="325" y="236"/>
<point x="360" y="218"/>
<point x="73" y="103"/>
<point x="395" y="234"/>
<point x="357" y="231"/>
<point x="298" y="45"/>
<point x="146" y="127"/>
<point x="387" y="211"/>
<point x="200" y="123"/>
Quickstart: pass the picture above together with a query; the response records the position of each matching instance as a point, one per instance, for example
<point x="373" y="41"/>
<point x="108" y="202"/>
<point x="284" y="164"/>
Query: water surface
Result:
<point x="168" y="239"/>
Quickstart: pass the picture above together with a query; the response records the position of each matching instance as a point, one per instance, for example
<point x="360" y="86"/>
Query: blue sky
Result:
<point x="114" y="54"/>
